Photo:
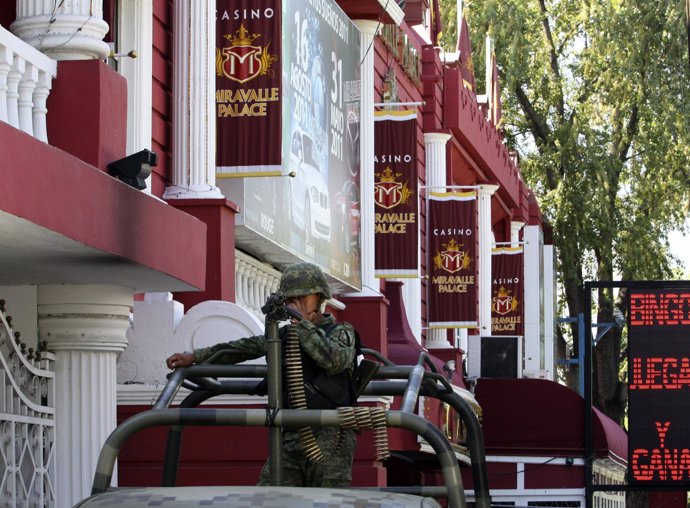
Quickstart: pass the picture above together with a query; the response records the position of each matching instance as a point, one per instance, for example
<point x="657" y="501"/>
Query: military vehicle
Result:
<point x="374" y="377"/>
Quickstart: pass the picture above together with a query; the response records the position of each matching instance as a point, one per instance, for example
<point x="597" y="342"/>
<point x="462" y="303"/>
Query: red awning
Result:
<point x="541" y="417"/>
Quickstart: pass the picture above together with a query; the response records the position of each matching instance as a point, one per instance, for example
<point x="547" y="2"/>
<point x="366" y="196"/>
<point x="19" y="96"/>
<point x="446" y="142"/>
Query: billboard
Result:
<point x="313" y="215"/>
<point x="659" y="387"/>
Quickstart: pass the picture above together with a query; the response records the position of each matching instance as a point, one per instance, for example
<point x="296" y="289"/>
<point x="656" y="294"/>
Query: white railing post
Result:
<point x="25" y="81"/>
<point x="25" y="103"/>
<point x="254" y="282"/>
<point x="6" y="59"/>
<point x="40" y="111"/>
<point x="13" y="78"/>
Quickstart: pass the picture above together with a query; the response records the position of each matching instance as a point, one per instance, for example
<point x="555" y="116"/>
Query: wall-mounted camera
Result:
<point x="134" y="169"/>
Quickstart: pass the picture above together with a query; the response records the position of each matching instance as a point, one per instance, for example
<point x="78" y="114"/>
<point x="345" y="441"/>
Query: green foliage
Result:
<point x="596" y="99"/>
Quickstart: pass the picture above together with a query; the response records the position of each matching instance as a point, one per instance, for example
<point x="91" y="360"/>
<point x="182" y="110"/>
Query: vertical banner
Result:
<point x="248" y="87"/>
<point x="453" y="235"/>
<point x="507" y="305"/>
<point x="396" y="194"/>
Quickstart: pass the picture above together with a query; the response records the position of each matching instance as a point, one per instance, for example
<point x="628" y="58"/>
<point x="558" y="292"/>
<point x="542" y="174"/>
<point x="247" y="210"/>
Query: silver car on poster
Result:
<point x="308" y="203"/>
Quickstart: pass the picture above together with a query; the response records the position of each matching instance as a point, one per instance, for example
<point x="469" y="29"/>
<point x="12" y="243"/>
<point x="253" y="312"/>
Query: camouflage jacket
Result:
<point x="334" y="353"/>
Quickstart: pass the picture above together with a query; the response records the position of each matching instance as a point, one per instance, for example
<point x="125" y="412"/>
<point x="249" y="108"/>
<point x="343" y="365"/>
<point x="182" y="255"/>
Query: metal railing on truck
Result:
<point x="208" y="380"/>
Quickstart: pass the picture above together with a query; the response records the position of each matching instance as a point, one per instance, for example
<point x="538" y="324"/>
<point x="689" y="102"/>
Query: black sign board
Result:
<point x="659" y="387"/>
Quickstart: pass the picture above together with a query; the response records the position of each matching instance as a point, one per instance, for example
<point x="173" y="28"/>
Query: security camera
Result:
<point x="134" y="169"/>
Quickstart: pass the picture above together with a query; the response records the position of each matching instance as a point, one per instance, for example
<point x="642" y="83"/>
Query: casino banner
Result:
<point x="507" y="289"/>
<point x="248" y="87"/>
<point x="452" y="233"/>
<point x="396" y="196"/>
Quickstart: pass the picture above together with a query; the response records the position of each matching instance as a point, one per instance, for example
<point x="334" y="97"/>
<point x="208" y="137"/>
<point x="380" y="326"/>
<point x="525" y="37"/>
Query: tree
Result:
<point x="597" y="102"/>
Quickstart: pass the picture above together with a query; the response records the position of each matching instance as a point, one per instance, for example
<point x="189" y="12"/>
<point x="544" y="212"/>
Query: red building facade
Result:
<point x="89" y="248"/>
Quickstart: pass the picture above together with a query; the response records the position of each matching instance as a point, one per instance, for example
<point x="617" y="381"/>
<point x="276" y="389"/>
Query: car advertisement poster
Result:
<point x="311" y="211"/>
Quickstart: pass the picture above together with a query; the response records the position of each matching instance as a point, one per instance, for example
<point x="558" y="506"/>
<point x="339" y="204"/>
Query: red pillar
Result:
<point x="369" y="316"/>
<point x="88" y="112"/>
<point x="219" y="216"/>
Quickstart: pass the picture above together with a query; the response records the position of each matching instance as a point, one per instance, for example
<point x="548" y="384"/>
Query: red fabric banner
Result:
<point x="507" y="291"/>
<point x="248" y="87"/>
<point x="396" y="194"/>
<point x="453" y="235"/>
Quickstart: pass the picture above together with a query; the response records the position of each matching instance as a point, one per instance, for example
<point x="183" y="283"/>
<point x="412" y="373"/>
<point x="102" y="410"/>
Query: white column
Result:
<point x="435" y="163"/>
<point x="549" y="361"/>
<point x="412" y="298"/>
<point x="85" y="327"/>
<point x="515" y="227"/>
<point x="136" y="33"/>
<point x="485" y="242"/>
<point x="367" y="29"/>
<point x="534" y="297"/>
<point x="70" y="30"/>
<point x="194" y="120"/>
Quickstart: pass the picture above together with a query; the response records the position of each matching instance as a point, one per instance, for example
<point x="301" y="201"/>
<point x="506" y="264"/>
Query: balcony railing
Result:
<point x="254" y="282"/>
<point x="26" y="76"/>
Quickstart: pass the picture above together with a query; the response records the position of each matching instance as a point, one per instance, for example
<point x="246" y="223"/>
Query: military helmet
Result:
<point x="303" y="279"/>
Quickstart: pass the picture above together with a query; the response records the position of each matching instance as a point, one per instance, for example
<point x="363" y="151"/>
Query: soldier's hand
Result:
<point x="179" y="360"/>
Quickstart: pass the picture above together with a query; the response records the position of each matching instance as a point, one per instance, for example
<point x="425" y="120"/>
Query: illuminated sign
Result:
<point x="659" y="387"/>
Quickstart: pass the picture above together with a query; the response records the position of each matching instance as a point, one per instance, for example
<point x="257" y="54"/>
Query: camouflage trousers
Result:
<point x="298" y="471"/>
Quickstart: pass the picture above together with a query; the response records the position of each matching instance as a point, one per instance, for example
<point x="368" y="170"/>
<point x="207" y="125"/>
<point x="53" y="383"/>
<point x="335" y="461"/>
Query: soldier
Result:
<point x="328" y="360"/>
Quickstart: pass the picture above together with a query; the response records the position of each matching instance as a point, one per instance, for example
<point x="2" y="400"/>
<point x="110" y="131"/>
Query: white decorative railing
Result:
<point x="254" y="282"/>
<point x="26" y="76"/>
<point x="27" y="422"/>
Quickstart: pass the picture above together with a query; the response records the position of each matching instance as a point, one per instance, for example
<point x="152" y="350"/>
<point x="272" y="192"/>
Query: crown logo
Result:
<point x="503" y="292"/>
<point x="388" y="176"/>
<point x="452" y="246"/>
<point x="242" y="37"/>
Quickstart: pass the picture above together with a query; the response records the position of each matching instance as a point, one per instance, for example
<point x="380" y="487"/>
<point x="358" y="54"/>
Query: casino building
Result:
<point x="146" y="208"/>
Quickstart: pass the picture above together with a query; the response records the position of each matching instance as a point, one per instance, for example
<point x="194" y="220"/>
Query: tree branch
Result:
<point x="539" y="129"/>
<point x="553" y="57"/>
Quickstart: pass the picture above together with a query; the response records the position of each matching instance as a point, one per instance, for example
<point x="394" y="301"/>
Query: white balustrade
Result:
<point x="254" y="283"/>
<point x="26" y="76"/>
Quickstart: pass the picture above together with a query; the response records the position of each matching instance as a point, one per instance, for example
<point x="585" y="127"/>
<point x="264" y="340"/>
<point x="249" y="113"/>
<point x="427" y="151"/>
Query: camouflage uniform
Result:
<point x="332" y="347"/>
